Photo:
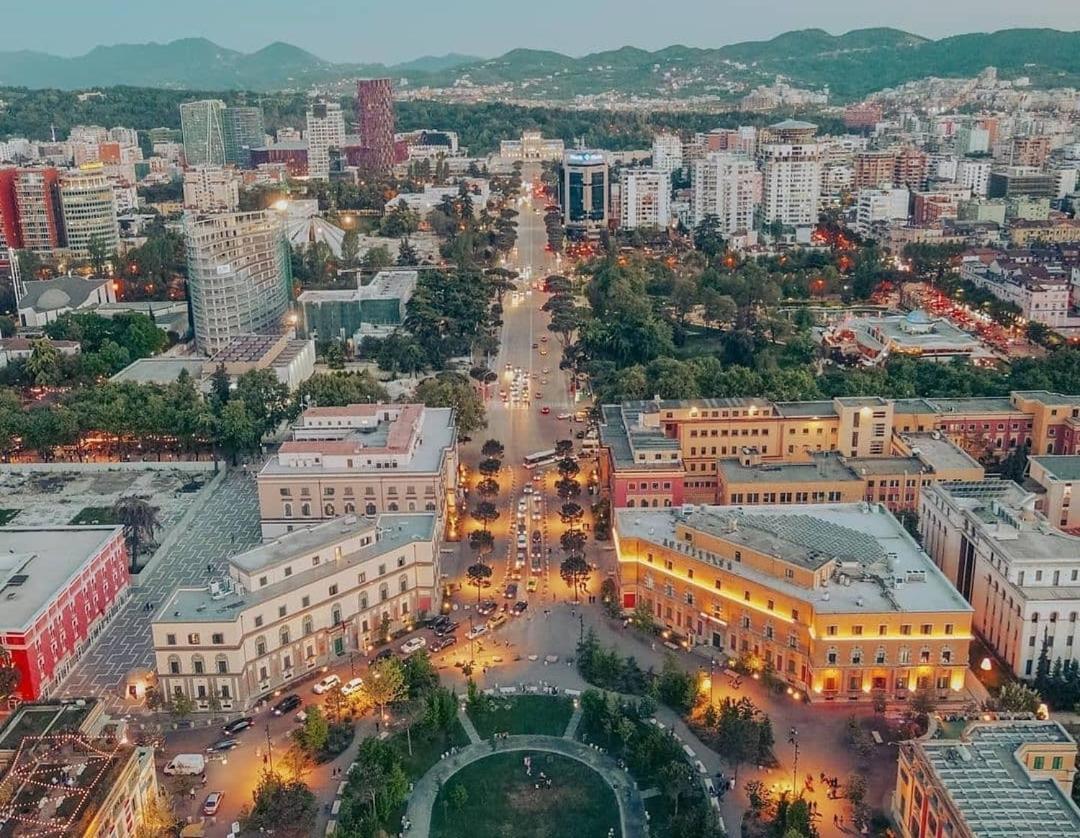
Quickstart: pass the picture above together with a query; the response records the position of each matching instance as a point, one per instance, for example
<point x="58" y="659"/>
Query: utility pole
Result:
<point x="793" y="738"/>
<point x="269" y="750"/>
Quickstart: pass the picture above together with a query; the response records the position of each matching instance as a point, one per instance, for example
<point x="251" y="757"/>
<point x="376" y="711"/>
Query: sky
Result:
<point x="362" y="31"/>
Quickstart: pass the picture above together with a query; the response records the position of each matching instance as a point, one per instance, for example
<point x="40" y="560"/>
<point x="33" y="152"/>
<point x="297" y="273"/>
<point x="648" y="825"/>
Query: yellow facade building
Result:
<point x="838" y="600"/>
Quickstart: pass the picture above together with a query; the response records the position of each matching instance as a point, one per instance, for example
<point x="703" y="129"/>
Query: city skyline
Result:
<point x="360" y="34"/>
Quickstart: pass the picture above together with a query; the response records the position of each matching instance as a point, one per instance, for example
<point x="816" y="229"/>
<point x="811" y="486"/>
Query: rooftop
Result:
<point x="873" y="550"/>
<point x="36" y="564"/>
<point x="189" y="605"/>
<point x="938" y="451"/>
<point x="61" y="292"/>
<point x="1061" y="466"/>
<point x="246" y="349"/>
<point x="826" y="467"/>
<point x="163" y="369"/>
<point x="992" y="790"/>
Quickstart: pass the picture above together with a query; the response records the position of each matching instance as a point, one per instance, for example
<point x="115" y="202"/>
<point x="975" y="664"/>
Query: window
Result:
<point x="1038" y="763"/>
<point x="260" y="646"/>
<point x="217" y="639"/>
<point x="284" y="635"/>
<point x="170" y="639"/>
<point x="263" y="581"/>
<point x="333" y="590"/>
<point x="403" y="584"/>
<point x="905" y="629"/>
<point x="831" y="631"/>
<point x="174" y="666"/>
<point x="258" y="620"/>
<point x="193" y="639"/>
<point x="856" y="630"/>
<point x="926" y="628"/>
<point x="222" y="665"/>
<point x="1055" y="763"/>
<point x="305" y="601"/>
<point x="197" y="665"/>
<point x="282" y="611"/>
<point x="335" y="615"/>
<point x="308" y="625"/>
<point x="949" y="628"/>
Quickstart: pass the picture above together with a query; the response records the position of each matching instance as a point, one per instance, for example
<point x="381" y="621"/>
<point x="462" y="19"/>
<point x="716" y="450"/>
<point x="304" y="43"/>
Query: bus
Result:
<point x="540" y="459"/>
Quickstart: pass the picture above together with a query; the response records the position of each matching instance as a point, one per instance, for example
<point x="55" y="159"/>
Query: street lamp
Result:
<point x="793" y="738"/>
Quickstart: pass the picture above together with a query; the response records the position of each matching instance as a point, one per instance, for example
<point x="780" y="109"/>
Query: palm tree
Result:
<point x="140" y="521"/>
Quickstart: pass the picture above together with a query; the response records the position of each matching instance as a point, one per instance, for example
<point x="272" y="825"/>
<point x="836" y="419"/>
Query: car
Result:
<point x="543" y="381"/>
<point x="511" y="591"/>
<point x="287" y="704"/>
<point x="475" y="632"/>
<point x="222" y="745"/>
<point x="351" y="686"/>
<point x="545" y="371"/>
<point x="443" y="643"/>
<point x="532" y="585"/>
<point x="441" y="620"/>
<point x="326" y="684"/>
<point x="543" y="338"/>
<point x="446" y="629"/>
<point x="485" y="607"/>
<point x="580" y="435"/>
<point x="535" y="565"/>
<point x="536" y="346"/>
<point x="413" y="644"/>
<point x="237" y="725"/>
<point x="536" y="515"/>
<point x="545" y="410"/>
<point x="519" y="607"/>
<point x="521" y="526"/>
<point x="212" y="803"/>
<point x="498" y="621"/>
<point x="536" y="535"/>
<point x="564" y="416"/>
<point x="538" y="395"/>
<point x="383" y="654"/>
<point x="509" y="366"/>
<point x="528" y="490"/>
<point x="543" y="351"/>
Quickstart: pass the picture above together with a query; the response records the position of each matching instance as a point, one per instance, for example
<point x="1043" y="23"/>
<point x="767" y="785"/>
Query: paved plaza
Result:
<point x="227" y="522"/>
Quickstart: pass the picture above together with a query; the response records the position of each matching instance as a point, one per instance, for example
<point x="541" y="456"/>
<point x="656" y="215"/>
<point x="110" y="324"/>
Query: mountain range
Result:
<point x="851" y="65"/>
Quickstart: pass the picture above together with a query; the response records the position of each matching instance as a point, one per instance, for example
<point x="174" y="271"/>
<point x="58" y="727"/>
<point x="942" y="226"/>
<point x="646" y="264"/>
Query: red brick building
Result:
<point x="375" y="121"/>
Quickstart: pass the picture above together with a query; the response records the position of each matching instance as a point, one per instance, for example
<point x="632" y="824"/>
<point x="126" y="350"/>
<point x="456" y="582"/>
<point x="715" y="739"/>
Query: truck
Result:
<point x="185" y="765"/>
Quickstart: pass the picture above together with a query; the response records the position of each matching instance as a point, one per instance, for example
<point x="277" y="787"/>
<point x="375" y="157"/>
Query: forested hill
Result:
<point x="852" y="65"/>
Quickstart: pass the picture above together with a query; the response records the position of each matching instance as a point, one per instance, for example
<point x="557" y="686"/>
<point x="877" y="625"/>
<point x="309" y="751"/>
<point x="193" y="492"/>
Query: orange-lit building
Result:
<point x="999" y="779"/>
<point x="838" y="600"/>
<point x="874" y="169"/>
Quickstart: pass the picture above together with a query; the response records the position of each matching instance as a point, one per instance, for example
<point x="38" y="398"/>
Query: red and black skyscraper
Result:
<point x="375" y="118"/>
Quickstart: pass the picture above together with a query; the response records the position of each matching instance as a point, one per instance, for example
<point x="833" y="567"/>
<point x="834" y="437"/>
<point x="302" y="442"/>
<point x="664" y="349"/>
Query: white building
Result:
<point x="1041" y="295"/>
<point x="646" y="198"/>
<point x="1020" y="573"/>
<point x="325" y="130"/>
<point x="209" y="189"/>
<point x="792" y="174"/>
<point x="312" y="598"/>
<point x="728" y="186"/>
<point x="89" y="209"/>
<point x="239" y="277"/>
<point x="532" y="146"/>
<point x="874" y="207"/>
<point x="667" y="153"/>
<point x="974" y="175"/>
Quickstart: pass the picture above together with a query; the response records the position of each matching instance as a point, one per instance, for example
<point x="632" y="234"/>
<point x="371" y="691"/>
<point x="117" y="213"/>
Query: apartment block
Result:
<point x="727" y="186"/>
<point x="306" y="600"/>
<point x="791" y="164"/>
<point x="645" y="199"/>
<point x="998" y="779"/>
<point x="1018" y="571"/>
<point x="836" y="599"/>
<point x="365" y="459"/>
<point x="1054" y="477"/>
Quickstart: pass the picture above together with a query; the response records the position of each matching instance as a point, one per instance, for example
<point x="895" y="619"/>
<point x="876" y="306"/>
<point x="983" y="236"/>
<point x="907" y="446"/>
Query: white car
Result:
<point x="349" y="687"/>
<point x="475" y="632"/>
<point x="564" y="416"/>
<point x="413" y="644"/>
<point x="326" y="684"/>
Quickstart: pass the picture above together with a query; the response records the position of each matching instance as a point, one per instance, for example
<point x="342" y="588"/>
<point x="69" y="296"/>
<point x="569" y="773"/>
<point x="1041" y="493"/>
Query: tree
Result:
<point x="284" y="807"/>
<point x="489" y="467"/>
<point x="336" y="702"/>
<point x="571" y="513"/>
<point x="572" y="541"/>
<point x="477" y="573"/>
<point x="315" y="730"/>
<point x="759" y="795"/>
<point x="568" y="468"/>
<point x="440" y="710"/>
<point x="485" y="512"/>
<point x="567" y="489"/>
<point x="157" y="818"/>
<point x="377" y="258"/>
<point x="456" y="392"/>
<point x="220" y="388"/>
<point x="334" y="355"/>
<point x="923" y="702"/>
<point x="708" y="238"/>
<point x="609" y="596"/>
<point x="492" y="448"/>
<point x="407" y="255"/>
<point x="677" y="780"/>
<point x="181" y="706"/>
<point x="298" y="759"/>
<point x="575" y="572"/>
<point x="350" y="247"/>
<point x="855" y="788"/>
<point x="1018" y="697"/>
<point x="487" y="488"/>
<point x="235" y="430"/>
<point x="140" y="521"/>
<point x="43" y="365"/>
<point x="9" y="675"/>
<point x="385" y="683"/>
<point x="459" y="796"/>
<point x="421" y="676"/>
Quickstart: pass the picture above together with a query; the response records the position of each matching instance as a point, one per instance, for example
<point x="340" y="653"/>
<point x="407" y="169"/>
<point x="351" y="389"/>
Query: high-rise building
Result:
<point x="667" y="153"/>
<point x="210" y="189"/>
<point x="325" y="130"/>
<point x="792" y="173"/>
<point x="10" y="232"/>
<point x="974" y="175"/>
<point x="204" y="133"/>
<point x="239" y="277"/>
<point x="874" y="169"/>
<point x="1029" y="151"/>
<point x="646" y="199"/>
<point x="910" y="168"/>
<point x="242" y="130"/>
<point x="585" y="192"/>
<point x="37" y="198"/>
<point x="375" y="121"/>
<point x="89" y="211"/>
<point x="727" y="186"/>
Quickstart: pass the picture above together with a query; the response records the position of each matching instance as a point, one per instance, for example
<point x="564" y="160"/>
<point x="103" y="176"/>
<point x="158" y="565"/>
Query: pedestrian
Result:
<point x="210" y="567"/>
<point x="835" y="822"/>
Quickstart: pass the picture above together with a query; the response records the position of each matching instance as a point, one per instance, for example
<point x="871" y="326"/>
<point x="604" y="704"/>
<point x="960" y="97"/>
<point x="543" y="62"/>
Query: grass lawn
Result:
<point x="94" y="515"/>
<point x="32" y="720"/>
<point x="546" y="715"/>
<point x="6" y="515"/>
<point x="502" y="800"/>
<point x="427" y="747"/>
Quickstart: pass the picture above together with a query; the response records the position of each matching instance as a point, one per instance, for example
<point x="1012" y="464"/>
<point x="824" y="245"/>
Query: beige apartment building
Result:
<point x="836" y="599"/>
<point x="309" y="599"/>
<point x="999" y="779"/>
<point x="1056" y="477"/>
<point x="363" y="459"/>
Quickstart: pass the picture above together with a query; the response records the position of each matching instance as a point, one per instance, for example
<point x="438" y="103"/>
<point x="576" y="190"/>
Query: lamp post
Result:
<point x="269" y="750"/>
<point x="793" y="738"/>
<point x="712" y="680"/>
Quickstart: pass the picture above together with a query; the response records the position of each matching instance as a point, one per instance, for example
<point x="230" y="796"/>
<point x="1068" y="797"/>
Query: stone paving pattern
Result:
<point x="227" y="523"/>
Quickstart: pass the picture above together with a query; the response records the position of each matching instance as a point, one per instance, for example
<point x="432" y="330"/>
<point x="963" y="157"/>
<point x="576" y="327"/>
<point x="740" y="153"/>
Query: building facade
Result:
<point x="375" y="122"/>
<point x="211" y="189"/>
<point x="239" y="276"/>
<point x="727" y="186"/>
<point x="835" y="599"/>
<point x="363" y="460"/>
<point x="242" y="130"/>
<point x="325" y="131"/>
<point x="585" y="191"/>
<point x="792" y="170"/>
<point x="306" y="600"/>
<point x="645" y="198"/>
<point x="89" y="211"/>
<point x="60" y="587"/>
<point x="667" y="154"/>
<point x="204" y="133"/>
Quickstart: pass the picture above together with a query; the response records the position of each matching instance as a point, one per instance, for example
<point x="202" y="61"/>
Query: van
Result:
<point x="185" y="765"/>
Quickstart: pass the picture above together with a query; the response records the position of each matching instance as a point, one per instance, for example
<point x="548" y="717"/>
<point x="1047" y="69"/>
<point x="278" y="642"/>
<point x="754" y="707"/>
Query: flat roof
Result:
<point x="823" y="468"/>
<point x="160" y="370"/>
<point x="36" y="564"/>
<point x="196" y="605"/>
<point x="246" y="349"/>
<point x="886" y="465"/>
<point x="1061" y="466"/>
<point x="992" y="790"/>
<point x="872" y="547"/>
<point x="938" y="451"/>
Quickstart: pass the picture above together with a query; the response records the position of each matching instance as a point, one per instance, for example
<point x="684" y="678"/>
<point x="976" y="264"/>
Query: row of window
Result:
<point x="330" y="511"/>
<point x="903" y="656"/>
<point x="785" y="497"/>
<point x="905" y="629"/>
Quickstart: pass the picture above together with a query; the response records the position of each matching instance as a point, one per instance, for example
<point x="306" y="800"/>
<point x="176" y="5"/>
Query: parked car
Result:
<point x="287" y="704"/>
<point x="383" y="654"/>
<point x="519" y="607"/>
<point x="449" y="627"/>
<point x="413" y="644"/>
<point x="213" y="803"/>
<point x="326" y="684"/>
<point x="443" y="643"/>
<point x="237" y="725"/>
<point x="535" y="563"/>
<point x="351" y="686"/>
<point x="545" y="410"/>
